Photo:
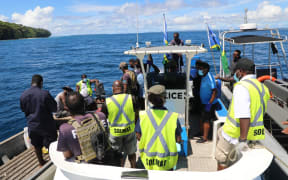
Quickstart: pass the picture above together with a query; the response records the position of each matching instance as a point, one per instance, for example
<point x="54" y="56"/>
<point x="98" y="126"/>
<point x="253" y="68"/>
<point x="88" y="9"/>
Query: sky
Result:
<point x="73" y="17"/>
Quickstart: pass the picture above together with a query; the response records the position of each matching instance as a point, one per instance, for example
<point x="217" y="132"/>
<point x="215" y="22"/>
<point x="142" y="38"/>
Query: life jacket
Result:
<point x="89" y="89"/>
<point x="157" y="145"/>
<point x="121" y="114"/>
<point x="92" y="138"/>
<point x="259" y="95"/>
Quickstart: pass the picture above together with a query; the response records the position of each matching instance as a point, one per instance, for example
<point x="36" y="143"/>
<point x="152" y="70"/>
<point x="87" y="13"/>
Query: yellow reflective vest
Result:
<point x="157" y="145"/>
<point x="259" y="95"/>
<point x="121" y="114"/>
<point x="89" y="89"/>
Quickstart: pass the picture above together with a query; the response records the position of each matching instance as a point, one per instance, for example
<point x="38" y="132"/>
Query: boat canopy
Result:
<point x="166" y="49"/>
<point x="253" y="39"/>
<point x="188" y="50"/>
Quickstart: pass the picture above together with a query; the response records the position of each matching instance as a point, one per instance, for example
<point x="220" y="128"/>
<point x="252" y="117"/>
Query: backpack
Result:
<point x="92" y="137"/>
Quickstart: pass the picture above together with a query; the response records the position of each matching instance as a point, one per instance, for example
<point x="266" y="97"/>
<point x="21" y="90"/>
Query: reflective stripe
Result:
<point x="259" y="112"/>
<point x="262" y="94"/>
<point x="158" y="133"/>
<point x="121" y="111"/>
<point x="162" y="155"/>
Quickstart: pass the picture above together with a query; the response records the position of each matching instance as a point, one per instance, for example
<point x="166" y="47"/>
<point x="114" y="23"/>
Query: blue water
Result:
<point x="62" y="60"/>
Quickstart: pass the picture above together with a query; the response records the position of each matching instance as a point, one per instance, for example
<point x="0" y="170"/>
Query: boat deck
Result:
<point x="199" y="158"/>
<point x="21" y="166"/>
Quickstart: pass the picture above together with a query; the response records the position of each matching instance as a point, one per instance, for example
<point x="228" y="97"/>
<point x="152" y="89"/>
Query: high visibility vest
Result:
<point x="89" y="89"/>
<point x="157" y="145"/>
<point x="121" y="114"/>
<point x="259" y="95"/>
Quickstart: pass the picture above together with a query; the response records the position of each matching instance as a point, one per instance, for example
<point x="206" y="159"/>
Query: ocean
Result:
<point x="62" y="60"/>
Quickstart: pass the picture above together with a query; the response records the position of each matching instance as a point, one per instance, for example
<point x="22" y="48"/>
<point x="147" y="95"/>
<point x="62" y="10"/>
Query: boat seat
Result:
<point x="21" y="166"/>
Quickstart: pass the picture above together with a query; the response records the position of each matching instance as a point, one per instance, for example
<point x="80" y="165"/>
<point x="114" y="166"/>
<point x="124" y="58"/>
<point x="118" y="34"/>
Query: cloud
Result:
<point x="266" y="12"/>
<point x="83" y="8"/>
<point x="3" y="18"/>
<point x="39" y="17"/>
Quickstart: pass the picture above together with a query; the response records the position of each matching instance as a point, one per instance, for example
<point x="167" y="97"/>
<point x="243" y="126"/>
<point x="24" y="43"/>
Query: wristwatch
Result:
<point x="242" y="140"/>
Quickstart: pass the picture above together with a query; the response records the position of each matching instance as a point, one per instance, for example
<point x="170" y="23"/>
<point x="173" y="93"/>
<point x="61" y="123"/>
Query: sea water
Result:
<point x="62" y="60"/>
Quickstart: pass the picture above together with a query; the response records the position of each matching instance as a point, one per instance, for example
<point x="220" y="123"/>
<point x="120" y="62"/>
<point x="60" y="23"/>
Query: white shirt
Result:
<point x="84" y="90"/>
<point x="241" y="99"/>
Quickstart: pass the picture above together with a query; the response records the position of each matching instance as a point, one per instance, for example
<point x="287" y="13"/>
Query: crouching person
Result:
<point x="159" y="130"/>
<point x="84" y="137"/>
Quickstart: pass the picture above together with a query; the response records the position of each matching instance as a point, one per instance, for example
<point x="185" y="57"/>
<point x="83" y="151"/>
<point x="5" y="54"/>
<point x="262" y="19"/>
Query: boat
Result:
<point x="196" y="161"/>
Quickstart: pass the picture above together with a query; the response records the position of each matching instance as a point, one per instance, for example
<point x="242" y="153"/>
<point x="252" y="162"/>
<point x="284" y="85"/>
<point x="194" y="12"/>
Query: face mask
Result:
<point x="84" y="80"/>
<point x="200" y="72"/>
<point x="236" y="78"/>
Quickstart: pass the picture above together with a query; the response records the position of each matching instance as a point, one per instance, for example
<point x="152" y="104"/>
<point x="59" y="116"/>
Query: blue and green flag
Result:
<point x="213" y="39"/>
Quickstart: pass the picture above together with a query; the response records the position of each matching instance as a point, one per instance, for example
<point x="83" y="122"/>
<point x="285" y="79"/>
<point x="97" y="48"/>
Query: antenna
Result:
<point x="137" y="43"/>
<point x="245" y="17"/>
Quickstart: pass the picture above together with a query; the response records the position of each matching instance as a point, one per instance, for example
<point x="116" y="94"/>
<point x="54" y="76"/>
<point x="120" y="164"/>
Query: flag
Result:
<point x="213" y="39"/>
<point x="224" y="62"/>
<point x="165" y="40"/>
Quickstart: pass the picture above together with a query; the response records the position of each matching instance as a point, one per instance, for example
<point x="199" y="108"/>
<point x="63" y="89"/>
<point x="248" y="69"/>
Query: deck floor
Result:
<point x="199" y="158"/>
<point x="21" y="166"/>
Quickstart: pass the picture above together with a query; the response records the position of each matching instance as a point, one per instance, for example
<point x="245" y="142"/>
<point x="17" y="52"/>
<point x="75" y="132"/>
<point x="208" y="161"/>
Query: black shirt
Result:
<point x="38" y="105"/>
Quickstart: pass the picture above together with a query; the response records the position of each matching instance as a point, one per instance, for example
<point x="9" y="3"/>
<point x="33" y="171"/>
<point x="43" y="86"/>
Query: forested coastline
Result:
<point x="18" y="31"/>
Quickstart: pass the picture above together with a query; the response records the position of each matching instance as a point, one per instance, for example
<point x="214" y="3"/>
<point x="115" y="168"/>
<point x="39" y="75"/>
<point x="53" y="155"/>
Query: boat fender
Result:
<point x="267" y="77"/>
<point x="27" y="140"/>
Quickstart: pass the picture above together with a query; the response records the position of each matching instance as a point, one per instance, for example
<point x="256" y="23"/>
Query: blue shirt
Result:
<point x="206" y="88"/>
<point x="140" y="80"/>
<point x="38" y="105"/>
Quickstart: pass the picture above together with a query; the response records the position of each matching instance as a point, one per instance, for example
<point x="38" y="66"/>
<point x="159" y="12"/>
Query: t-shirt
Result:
<point x="38" y="105"/>
<point x="60" y="105"/>
<point x="130" y="79"/>
<point x="207" y="86"/>
<point x="84" y="90"/>
<point x="68" y="140"/>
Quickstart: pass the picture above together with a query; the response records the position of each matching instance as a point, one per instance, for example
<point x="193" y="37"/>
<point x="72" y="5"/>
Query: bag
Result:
<point x="92" y="138"/>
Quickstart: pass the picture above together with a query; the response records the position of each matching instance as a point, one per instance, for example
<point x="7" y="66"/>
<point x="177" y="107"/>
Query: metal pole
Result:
<point x="141" y="57"/>
<point x="189" y="56"/>
<point x="269" y="56"/>
<point x="253" y="52"/>
<point x="214" y="61"/>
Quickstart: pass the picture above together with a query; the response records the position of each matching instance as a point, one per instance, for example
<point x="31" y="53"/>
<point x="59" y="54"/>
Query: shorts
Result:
<point x="223" y="148"/>
<point x="208" y="116"/>
<point x="38" y="140"/>
<point x="126" y="144"/>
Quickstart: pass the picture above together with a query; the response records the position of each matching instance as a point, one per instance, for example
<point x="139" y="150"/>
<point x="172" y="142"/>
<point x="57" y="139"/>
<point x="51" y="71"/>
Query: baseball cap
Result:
<point x="67" y="88"/>
<point x="157" y="89"/>
<point x="245" y="64"/>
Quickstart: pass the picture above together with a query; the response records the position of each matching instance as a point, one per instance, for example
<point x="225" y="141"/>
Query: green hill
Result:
<point x="17" y="31"/>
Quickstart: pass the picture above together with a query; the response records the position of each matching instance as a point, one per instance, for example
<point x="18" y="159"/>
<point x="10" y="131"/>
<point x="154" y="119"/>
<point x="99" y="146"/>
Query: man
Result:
<point x="245" y="116"/>
<point x="236" y="57"/>
<point x="85" y="89"/>
<point x="62" y="109"/>
<point x="128" y="79"/>
<point x="158" y="131"/>
<point x="208" y="93"/>
<point x="177" y="57"/>
<point x="68" y="141"/>
<point x="120" y="111"/>
<point x="38" y="105"/>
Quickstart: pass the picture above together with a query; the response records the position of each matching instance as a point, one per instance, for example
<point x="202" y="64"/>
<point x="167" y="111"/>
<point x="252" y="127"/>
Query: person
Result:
<point x="62" y="109"/>
<point x="285" y="131"/>
<point x="244" y="121"/>
<point x="236" y="57"/>
<point x="120" y="110"/>
<point x="158" y="130"/>
<point x="132" y="64"/>
<point x="128" y="79"/>
<point x="84" y="88"/>
<point x="68" y="141"/>
<point x="208" y="93"/>
<point x="38" y="105"/>
<point x="177" y="57"/>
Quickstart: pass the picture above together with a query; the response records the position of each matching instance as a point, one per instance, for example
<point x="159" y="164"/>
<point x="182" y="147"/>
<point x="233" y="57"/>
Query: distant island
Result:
<point x="18" y="31"/>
